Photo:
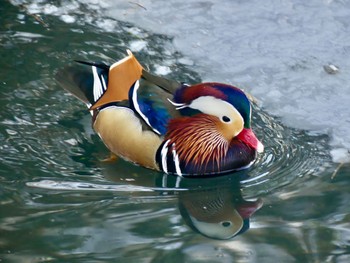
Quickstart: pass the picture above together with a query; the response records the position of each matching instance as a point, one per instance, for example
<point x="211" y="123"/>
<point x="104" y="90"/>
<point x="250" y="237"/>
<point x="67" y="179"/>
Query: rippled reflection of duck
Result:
<point x="165" y="125"/>
<point x="217" y="209"/>
<point x="213" y="207"/>
<point x="217" y="213"/>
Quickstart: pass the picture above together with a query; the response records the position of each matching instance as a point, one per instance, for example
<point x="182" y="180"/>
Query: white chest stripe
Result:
<point x="163" y="155"/>
<point x="176" y="161"/>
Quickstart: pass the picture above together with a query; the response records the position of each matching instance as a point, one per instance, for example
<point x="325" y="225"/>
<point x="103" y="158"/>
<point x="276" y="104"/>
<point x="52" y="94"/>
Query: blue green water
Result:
<point x="59" y="202"/>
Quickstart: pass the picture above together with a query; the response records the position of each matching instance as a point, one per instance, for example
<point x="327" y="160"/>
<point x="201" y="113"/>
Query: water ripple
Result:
<point x="72" y="186"/>
<point x="289" y="154"/>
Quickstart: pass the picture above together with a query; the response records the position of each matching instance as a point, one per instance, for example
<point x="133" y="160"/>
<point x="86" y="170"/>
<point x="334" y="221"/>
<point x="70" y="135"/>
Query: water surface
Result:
<point x="60" y="203"/>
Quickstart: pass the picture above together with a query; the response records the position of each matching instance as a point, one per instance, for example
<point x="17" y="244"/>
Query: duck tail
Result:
<point x="87" y="85"/>
<point x="103" y="84"/>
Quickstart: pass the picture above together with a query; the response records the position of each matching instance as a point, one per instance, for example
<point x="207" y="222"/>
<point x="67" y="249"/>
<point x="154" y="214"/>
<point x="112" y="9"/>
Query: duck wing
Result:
<point x="126" y="80"/>
<point x="150" y="98"/>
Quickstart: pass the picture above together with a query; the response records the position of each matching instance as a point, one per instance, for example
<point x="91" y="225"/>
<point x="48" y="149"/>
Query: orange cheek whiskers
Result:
<point x="197" y="146"/>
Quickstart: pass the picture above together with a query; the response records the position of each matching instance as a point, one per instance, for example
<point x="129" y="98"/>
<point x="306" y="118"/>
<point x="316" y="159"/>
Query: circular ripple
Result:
<point x="289" y="154"/>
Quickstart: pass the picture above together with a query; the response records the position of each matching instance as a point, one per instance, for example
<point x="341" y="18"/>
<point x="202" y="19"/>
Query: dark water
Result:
<point x="60" y="203"/>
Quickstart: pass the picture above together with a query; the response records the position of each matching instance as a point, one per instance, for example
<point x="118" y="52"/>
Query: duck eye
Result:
<point x="225" y="119"/>
<point x="226" y="223"/>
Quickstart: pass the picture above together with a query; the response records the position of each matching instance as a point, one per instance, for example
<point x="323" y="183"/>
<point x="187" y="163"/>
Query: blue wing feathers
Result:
<point x="151" y="103"/>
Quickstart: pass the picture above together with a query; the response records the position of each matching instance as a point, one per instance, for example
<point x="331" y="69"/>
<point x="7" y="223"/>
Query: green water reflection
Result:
<point x="60" y="203"/>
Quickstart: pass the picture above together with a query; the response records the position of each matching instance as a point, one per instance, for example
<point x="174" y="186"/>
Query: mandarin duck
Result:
<point x="187" y="130"/>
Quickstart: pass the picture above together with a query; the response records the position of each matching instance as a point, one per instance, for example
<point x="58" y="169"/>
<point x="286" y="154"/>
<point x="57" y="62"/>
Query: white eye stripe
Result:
<point x="216" y="107"/>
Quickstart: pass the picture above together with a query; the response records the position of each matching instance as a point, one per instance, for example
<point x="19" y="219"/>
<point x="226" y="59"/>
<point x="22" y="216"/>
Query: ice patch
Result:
<point x="162" y="70"/>
<point x="138" y="45"/>
<point x="50" y="9"/>
<point x="108" y="25"/>
<point x="340" y="155"/>
<point x="67" y="19"/>
<point x="290" y="55"/>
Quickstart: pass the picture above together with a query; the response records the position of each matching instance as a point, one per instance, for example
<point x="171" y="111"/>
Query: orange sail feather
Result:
<point x="122" y="75"/>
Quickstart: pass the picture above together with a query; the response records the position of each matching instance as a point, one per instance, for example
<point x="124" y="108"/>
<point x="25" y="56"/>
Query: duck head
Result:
<point x="213" y="134"/>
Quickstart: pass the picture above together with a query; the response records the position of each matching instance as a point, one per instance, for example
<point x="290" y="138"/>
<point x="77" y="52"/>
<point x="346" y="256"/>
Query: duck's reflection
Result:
<point x="217" y="213"/>
<point x="215" y="207"/>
